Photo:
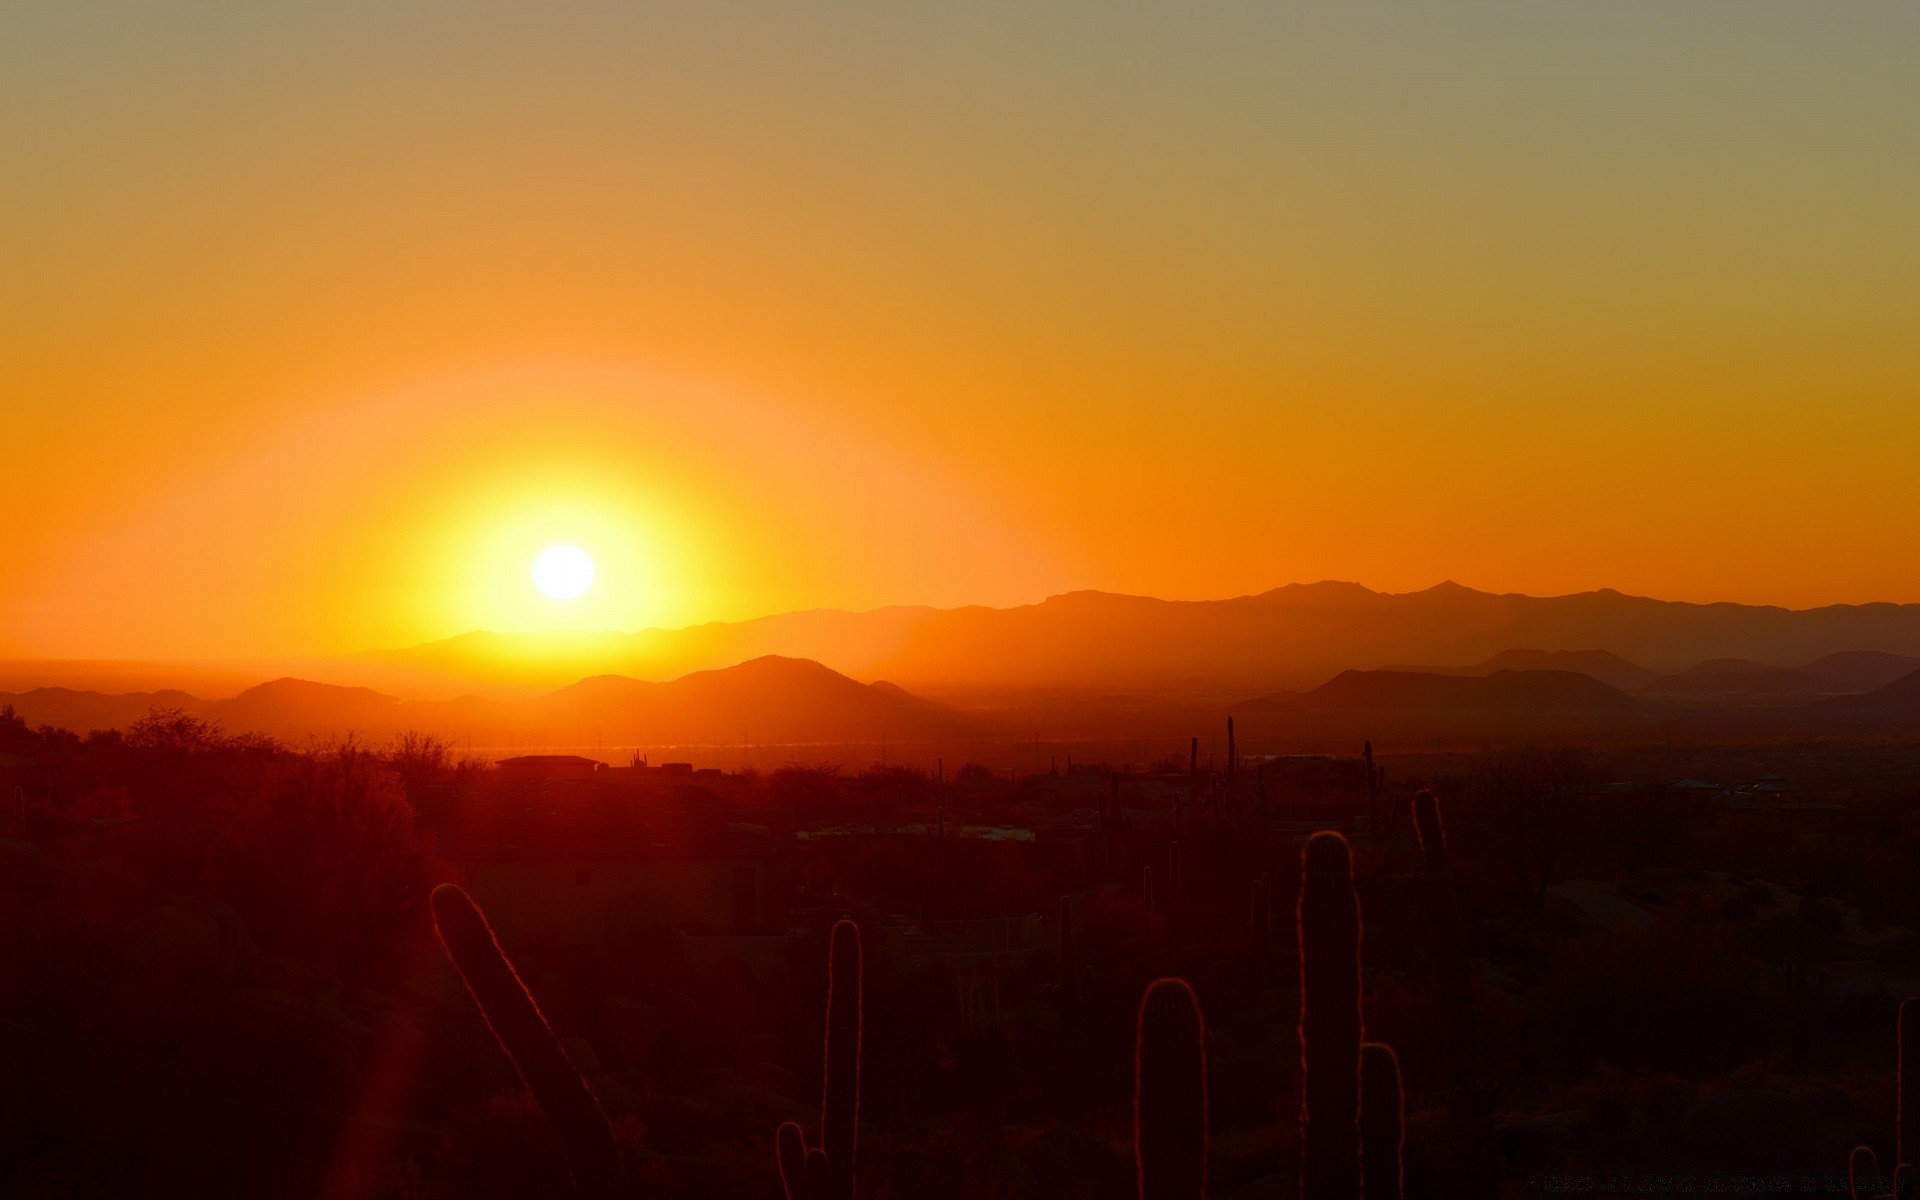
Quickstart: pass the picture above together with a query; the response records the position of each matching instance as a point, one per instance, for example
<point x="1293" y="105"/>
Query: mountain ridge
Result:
<point x="770" y="699"/>
<point x="1294" y="636"/>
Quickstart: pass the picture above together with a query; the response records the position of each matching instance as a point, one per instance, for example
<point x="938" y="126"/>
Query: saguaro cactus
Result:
<point x="1376" y="782"/>
<point x="1329" y="916"/>
<point x="826" y="1171"/>
<point x="517" y="1023"/>
<point x="1433" y="837"/>
<point x="1066" y="942"/>
<point x="1381" y="1109"/>
<point x="1445" y="934"/>
<point x="1469" y="1102"/>
<point x="1907" y="1114"/>
<point x="1170" y="1094"/>
<point x="1070" y="978"/>
<point x="1233" y="757"/>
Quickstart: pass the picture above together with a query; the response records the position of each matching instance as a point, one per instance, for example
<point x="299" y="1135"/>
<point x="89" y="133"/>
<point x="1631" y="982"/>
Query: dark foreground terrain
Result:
<point x="1637" y="972"/>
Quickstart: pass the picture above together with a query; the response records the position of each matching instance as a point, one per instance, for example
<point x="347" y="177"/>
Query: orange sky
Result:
<point x="317" y="321"/>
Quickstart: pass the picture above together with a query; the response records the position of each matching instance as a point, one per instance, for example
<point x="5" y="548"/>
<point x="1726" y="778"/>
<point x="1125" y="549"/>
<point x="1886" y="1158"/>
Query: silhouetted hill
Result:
<point x="1290" y="637"/>
<point x="1517" y="692"/>
<point x="1899" y="700"/>
<point x="1609" y="668"/>
<point x="81" y="711"/>
<point x="1863" y="669"/>
<point x="286" y="707"/>
<point x="770" y="699"/>
<point x="1734" y="680"/>
<point x="1604" y="665"/>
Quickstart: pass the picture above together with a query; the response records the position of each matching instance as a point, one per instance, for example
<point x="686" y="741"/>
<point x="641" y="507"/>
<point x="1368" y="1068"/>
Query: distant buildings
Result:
<point x="555" y="844"/>
<point x="536" y="767"/>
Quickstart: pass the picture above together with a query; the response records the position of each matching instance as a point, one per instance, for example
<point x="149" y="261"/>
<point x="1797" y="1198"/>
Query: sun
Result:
<point x="563" y="572"/>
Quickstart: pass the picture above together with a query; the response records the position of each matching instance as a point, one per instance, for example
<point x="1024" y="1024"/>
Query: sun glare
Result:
<point x="563" y="572"/>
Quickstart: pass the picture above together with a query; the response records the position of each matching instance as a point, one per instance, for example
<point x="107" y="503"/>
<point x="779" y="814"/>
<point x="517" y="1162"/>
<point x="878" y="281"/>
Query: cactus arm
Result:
<point x="790" y="1151"/>
<point x="1381" y="1123"/>
<point x="818" y="1173"/>
<point x="516" y="1022"/>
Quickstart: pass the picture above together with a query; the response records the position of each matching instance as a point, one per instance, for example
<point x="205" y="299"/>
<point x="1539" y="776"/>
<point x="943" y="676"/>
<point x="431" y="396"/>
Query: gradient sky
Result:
<point x="318" y="320"/>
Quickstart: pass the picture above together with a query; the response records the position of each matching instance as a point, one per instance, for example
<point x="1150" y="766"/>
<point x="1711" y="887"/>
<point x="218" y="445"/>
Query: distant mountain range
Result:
<point x="1294" y="637"/>
<point x="1299" y="658"/>
<point x="770" y="699"/>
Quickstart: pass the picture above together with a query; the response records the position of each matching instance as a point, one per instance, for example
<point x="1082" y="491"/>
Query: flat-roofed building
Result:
<point x="549" y="766"/>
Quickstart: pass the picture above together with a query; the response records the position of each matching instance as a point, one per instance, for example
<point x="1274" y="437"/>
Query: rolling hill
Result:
<point x="1523" y="693"/>
<point x="1897" y="702"/>
<point x="67" y="708"/>
<point x="769" y="699"/>
<point x="1863" y="670"/>
<point x="1609" y="668"/>
<point x="1734" y="680"/>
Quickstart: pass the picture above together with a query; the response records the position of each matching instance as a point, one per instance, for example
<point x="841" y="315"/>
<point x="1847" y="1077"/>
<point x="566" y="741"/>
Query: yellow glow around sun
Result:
<point x="563" y="572"/>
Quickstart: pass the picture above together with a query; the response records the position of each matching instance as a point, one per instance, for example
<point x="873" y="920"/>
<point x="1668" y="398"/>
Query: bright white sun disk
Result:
<point x="563" y="572"/>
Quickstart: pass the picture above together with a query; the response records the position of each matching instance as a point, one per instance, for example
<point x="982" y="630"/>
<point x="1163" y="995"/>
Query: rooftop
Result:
<point x="586" y="820"/>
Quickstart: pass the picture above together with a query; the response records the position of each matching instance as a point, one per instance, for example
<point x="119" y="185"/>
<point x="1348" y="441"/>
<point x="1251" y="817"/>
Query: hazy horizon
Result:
<point x="586" y="636"/>
<point x="325" y="324"/>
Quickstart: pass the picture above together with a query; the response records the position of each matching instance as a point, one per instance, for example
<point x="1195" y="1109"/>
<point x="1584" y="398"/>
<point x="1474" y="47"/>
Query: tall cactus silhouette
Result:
<point x="1907" y="1112"/>
<point x="1445" y="934"/>
<point x="1381" y="1113"/>
<point x="516" y="1022"/>
<point x="1170" y="1094"/>
<point x="1376" y="782"/>
<point x="1233" y="758"/>
<point x="1863" y="1168"/>
<point x="1373" y="795"/>
<point x="1067" y="966"/>
<point x="1329" y="916"/>
<point x="1469" y="1097"/>
<point x="1071" y="987"/>
<point x="1433" y="837"/>
<point x="826" y="1171"/>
